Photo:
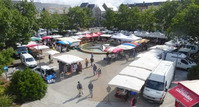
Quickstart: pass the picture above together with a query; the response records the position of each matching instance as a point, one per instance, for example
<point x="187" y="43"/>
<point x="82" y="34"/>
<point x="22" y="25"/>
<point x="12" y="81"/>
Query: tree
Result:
<point x="109" y="19"/>
<point x="187" y="21"/>
<point x="193" y="72"/>
<point x="27" y="86"/>
<point x="6" y="58"/>
<point x="166" y="13"/>
<point x="123" y="18"/>
<point x="148" y="20"/>
<point x="64" y="23"/>
<point x="5" y="100"/>
<point x="14" y="27"/>
<point x="135" y="15"/>
<point x="80" y="17"/>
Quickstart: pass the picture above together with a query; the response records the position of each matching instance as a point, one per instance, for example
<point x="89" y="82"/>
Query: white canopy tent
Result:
<point x="135" y="72"/>
<point x="56" y="36"/>
<point x="68" y="59"/>
<point x="154" y="53"/>
<point x="41" y="47"/>
<point x="122" y="37"/>
<point x="148" y="63"/>
<point x="127" y="82"/>
<point x="52" y="52"/>
<point x="105" y="35"/>
<point x="157" y="35"/>
<point x="125" y="47"/>
<point x="163" y="47"/>
<point x="133" y="37"/>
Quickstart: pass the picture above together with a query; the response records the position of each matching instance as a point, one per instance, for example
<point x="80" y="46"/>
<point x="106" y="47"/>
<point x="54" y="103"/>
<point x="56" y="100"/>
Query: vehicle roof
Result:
<point x="27" y="55"/>
<point x="184" y="49"/>
<point x="161" y="70"/>
<point x="177" y="54"/>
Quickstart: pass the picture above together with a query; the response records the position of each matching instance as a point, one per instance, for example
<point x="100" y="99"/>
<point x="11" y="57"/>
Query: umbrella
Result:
<point x="46" y="37"/>
<point x="31" y="45"/>
<point x="99" y="33"/>
<point x="35" y="39"/>
<point x="52" y="52"/>
<point x="134" y="43"/>
<point x="70" y="43"/>
<point x="113" y="49"/>
<point x="88" y="36"/>
<point x="129" y="44"/>
<point x="62" y="42"/>
<point x="137" y="41"/>
<point x="116" y="50"/>
<point x="41" y="47"/>
<point x="94" y="35"/>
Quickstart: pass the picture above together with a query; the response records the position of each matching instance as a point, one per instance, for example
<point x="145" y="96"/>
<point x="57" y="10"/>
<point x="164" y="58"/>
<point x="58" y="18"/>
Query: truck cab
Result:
<point x="21" y="50"/>
<point x="46" y="72"/>
<point x="28" y="60"/>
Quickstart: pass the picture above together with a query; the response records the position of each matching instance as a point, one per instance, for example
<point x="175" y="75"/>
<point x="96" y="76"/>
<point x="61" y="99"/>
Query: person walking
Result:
<point x="80" y="88"/>
<point x="92" y="60"/>
<point x="90" y="87"/>
<point x="99" y="72"/>
<point x="94" y="69"/>
<point x="86" y="62"/>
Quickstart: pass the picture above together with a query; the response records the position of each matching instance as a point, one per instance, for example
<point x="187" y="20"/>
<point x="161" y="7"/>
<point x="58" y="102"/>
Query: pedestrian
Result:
<point x="127" y="57"/>
<point x="92" y="55"/>
<point x="80" y="88"/>
<point x="86" y="62"/>
<point x="92" y="60"/>
<point x="80" y="66"/>
<point x="90" y="87"/>
<point x="94" y="69"/>
<point x="49" y="57"/>
<point x="99" y="72"/>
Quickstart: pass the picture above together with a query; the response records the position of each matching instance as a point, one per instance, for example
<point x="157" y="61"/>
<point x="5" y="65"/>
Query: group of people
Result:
<point x="80" y="89"/>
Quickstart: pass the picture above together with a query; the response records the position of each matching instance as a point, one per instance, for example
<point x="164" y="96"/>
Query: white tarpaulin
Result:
<point x="133" y="37"/>
<point x="52" y="52"/>
<point x="149" y="63"/>
<point x="56" y="36"/>
<point x="127" y="82"/>
<point x="139" y="73"/>
<point x="163" y="47"/>
<point x="68" y="59"/>
<point x="154" y="53"/>
<point x="40" y="47"/>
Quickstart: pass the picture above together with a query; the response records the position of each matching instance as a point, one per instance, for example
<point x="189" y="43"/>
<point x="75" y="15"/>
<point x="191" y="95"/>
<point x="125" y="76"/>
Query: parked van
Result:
<point x="159" y="81"/>
<point x="182" y="61"/>
<point x="194" y="48"/>
<point x="185" y="51"/>
<point x="28" y="60"/>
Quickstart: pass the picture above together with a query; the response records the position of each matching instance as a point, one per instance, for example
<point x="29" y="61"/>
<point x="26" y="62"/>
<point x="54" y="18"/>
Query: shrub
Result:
<point x="193" y="72"/>
<point x="27" y="86"/>
<point x="5" y="101"/>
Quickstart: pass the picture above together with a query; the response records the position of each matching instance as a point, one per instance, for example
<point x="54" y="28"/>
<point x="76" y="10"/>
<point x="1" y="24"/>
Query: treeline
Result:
<point x="175" y="18"/>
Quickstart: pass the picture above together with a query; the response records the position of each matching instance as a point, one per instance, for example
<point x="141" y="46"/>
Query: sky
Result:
<point x="98" y="2"/>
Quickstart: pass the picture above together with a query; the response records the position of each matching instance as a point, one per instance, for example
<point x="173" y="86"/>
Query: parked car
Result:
<point x="28" y="60"/>
<point x="46" y="72"/>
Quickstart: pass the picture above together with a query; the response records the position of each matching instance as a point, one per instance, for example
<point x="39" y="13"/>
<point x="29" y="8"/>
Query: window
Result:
<point x="29" y="59"/>
<point x="37" y="69"/>
<point x="184" y="62"/>
<point x="155" y="85"/>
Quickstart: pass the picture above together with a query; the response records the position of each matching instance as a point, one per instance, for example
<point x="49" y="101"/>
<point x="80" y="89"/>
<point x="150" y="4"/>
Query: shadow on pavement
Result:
<point x="102" y="63"/>
<point x="84" y="98"/>
<point x="70" y="99"/>
<point x="89" y="77"/>
<point x="94" y="80"/>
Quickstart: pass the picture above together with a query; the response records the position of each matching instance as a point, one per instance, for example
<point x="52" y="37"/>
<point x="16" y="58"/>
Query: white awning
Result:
<point x="127" y="82"/>
<point x="52" y="52"/>
<point x="139" y="73"/>
<point x="146" y="63"/>
<point x="40" y="47"/>
<point x="68" y="59"/>
<point x="125" y="47"/>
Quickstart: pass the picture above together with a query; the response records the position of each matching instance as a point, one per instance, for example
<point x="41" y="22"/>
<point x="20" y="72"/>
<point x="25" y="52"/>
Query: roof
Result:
<point x="68" y="59"/>
<point x="27" y="55"/>
<point x="91" y="6"/>
<point x="191" y="85"/>
<point x="110" y="6"/>
<point x="139" y="73"/>
<point x="145" y="4"/>
<point x="84" y="5"/>
<point x="127" y="82"/>
<point x="184" y="50"/>
<point x="101" y="8"/>
<point x="163" y="67"/>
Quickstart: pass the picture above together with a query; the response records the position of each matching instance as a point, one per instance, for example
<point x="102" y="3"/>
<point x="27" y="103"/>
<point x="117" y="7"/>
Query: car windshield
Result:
<point x="155" y="85"/>
<point x="29" y="59"/>
<point x="189" y="60"/>
<point x="50" y="71"/>
<point x="21" y="49"/>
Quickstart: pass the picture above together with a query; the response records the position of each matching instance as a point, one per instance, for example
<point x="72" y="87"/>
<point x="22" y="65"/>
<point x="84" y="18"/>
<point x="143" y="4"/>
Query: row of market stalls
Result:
<point x="150" y="34"/>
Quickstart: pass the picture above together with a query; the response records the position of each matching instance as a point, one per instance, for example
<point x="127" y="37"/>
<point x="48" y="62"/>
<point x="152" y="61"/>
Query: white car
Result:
<point x="46" y="72"/>
<point x="28" y="60"/>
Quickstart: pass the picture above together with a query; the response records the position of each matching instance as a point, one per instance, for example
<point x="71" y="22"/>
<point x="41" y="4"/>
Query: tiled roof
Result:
<point x="84" y="5"/>
<point x="91" y="6"/>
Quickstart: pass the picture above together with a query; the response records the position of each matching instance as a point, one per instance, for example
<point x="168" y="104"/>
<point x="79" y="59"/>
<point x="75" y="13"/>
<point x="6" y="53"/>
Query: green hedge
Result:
<point x="193" y="73"/>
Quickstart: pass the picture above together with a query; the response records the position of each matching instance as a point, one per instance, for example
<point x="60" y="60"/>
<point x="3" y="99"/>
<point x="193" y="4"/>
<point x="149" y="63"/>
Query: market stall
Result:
<point x="36" y="51"/>
<point x="186" y="94"/>
<point x="69" y="63"/>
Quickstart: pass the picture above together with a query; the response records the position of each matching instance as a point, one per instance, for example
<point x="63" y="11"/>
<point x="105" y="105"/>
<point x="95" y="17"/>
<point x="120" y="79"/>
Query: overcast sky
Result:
<point x="98" y="2"/>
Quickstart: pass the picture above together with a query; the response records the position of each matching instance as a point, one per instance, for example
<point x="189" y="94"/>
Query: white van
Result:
<point x="185" y="51"/>
<point x="182" y="61"/>
<point x="159" y="81"/>
<point x="194" y="48"/>
<point x="28" y="60"/>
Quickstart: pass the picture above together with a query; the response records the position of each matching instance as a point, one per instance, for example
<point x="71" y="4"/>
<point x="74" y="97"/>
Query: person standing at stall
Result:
<point x="94" y="69"/>
<point x="86" y="62"/>
<point x="80" y="66"/>
<point x="99" y="72"/>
